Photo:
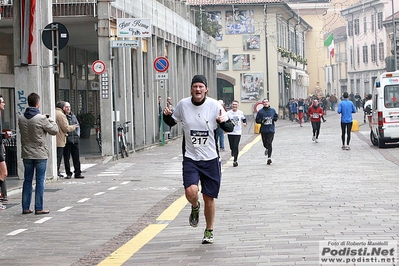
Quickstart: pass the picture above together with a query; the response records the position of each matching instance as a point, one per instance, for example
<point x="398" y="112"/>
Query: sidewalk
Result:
<point x="89" y="156"/>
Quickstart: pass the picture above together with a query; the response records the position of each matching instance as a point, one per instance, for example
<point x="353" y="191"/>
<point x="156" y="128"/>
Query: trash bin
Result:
<point x="10" y="146"/>
<point x="355" y="125"/>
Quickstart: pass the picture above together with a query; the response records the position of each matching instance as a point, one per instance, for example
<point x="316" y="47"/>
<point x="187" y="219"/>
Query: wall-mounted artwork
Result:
<point x="252" y="87"/>
<point x="216" y="16"/>
<point x="222" y="58"/>
<point x="251" y="42"/>
<point x="240" y="22"/>
<point x="241" y="62"/>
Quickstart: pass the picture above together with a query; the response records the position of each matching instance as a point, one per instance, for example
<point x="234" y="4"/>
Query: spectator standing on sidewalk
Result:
<point x="301" y="109"/>
<point x="63" y="129"/>
<point x="33" y="128"/>
<point x="168" y="129"/>
<point x="3" y="166"/>
<point x="358" y="100"/>
<point x="266" y="118"/>
<point x="333" y="101"/>
<point x="294" y="110"/>
<point x="200" y="116"/>
<point x="315" y="112"/>
<point x="346" y="108"/>
<point x="368" y="109"/>
<point x="72" y="145"/>
<point x="237" y="117"/>
<point x="220" y="131"/>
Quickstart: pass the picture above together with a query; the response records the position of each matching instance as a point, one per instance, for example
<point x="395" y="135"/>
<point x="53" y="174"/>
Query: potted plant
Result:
<point x="86" y="123"/>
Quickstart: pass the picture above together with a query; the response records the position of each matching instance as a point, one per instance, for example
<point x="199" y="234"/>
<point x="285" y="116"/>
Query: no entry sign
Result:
<point x="161" y="64"/>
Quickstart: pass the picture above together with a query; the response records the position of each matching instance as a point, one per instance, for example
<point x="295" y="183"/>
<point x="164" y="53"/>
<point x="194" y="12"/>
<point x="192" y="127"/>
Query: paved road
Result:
<point x="266" y="215"/>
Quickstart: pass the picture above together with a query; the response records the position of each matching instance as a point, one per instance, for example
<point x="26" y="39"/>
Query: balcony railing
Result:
<point x="341" y="57"/>
<point x="66" y="8"/>
<point x="61" y="8"/>
<point x="74" y="2"/>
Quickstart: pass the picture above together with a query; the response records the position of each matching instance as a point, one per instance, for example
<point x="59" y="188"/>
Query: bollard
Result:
<point x="355" y="125"/>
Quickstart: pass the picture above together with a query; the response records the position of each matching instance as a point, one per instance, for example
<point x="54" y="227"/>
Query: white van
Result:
<point x="385" y="118"/>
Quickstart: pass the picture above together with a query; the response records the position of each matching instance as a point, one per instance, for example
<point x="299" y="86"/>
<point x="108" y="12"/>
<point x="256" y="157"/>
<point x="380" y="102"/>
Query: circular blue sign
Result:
<point x="161" y="64"/>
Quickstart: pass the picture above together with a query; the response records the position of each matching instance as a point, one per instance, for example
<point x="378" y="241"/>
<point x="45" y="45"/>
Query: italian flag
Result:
<point x="330" y="44"/>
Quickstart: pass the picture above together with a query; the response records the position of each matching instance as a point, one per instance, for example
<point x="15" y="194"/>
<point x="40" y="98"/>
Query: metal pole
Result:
<point x="395" y="54"/>
<point x="201" y="18"/>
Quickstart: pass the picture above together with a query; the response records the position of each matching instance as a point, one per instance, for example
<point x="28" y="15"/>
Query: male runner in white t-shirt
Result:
<point x="200" y="116"/>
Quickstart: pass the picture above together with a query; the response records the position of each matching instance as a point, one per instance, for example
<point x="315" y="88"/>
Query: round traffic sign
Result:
<point x="258" y="106"/>
<point x="63" y="35"/>
<point x="98" y="67"/>
<point x="161" y="64"/>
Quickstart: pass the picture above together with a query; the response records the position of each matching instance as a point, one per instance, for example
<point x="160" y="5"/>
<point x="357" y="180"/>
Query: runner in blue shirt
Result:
<point x="346" y="108"/>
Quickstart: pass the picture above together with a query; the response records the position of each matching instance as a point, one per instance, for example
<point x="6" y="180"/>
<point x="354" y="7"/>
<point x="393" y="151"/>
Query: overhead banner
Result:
<point x="133" y="27"/>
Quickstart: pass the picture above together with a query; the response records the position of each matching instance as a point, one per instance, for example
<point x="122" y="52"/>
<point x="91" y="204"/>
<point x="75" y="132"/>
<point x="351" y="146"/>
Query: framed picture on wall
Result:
<point x="222" y="58"/>
<point x="251" y="42"/>
<point x="241" y="62"/>
<point x="240" y="22"/>
<point x="215" y="17"/>
<point x="252" y="87"/>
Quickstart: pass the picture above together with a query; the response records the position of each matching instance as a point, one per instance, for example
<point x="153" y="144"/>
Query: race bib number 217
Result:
<point x="199" y="138"/>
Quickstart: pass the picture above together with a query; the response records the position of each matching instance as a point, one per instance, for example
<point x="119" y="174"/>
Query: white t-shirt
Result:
<point x="199" y="124"/>
<point x="369" y="102"/>
<point x="236" y="118"/>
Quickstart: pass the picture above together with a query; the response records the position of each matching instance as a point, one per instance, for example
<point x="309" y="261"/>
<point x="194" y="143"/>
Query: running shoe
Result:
<point x="235" y="164"/>
<point x="194" y="215"/>
<point x="343" y="147"/>
<point x="208" y="237"/>
<point x="313" y="138"/>
<point x="316" y="140"/>
<point x="266" y="151"/>
<point x="4" y="200"/>
<point x="2" y="207"/>
<point x="347" y="148"/>
<point x="269" y="161"/>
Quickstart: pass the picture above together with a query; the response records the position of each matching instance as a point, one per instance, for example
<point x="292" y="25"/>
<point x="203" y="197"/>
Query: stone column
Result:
<point x="106" y="106"/>
<point x="36" y="76"/>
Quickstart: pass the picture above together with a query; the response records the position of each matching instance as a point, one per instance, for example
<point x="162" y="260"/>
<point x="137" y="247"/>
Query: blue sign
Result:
<point x="161" y="64"/>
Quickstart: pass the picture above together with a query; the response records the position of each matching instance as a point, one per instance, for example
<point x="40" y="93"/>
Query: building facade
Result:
<point x="261" y="52"/>
<point x="129" y="87"/>
<point x="366" y="43"/>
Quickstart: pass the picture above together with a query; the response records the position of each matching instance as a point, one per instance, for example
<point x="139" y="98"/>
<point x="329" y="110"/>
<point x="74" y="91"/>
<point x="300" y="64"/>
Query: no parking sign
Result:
<point x="161" y="64"/>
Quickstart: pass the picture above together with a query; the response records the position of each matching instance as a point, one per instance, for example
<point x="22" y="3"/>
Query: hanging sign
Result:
<point x="133" y="27"/>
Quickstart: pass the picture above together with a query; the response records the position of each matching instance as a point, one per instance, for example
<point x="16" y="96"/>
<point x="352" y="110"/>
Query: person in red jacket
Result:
<point x="315" y="113"/>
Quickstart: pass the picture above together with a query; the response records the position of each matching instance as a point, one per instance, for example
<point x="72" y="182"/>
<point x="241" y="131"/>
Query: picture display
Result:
<point x="222" y="58"/>
<point x="216" y="16"/>
<point x="252" y="87"/>
<point x="241" y="62"/>
<point x="251" y="42"/>
<point x="240" y="22"/>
